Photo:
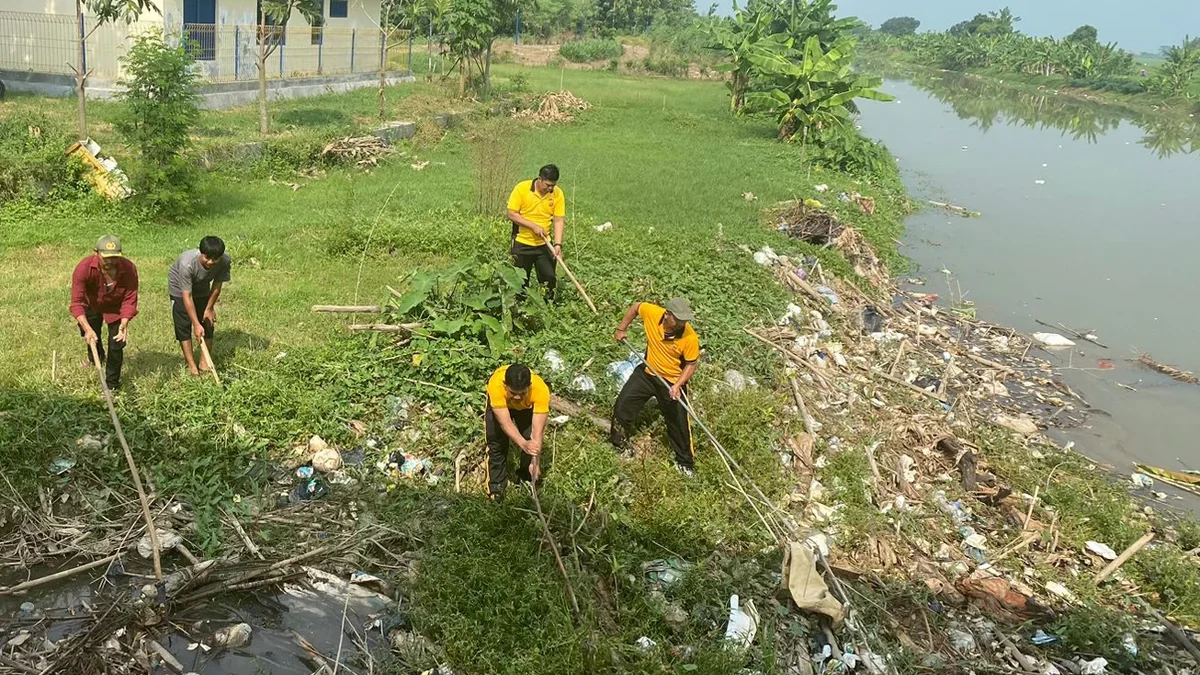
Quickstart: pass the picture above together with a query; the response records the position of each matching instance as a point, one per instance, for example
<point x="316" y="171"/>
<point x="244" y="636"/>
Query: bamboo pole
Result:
<point x="212" y="367"/>
<point x="41" y="581"/>
<point x="385" y="327"/>
<point x="151" y="530"/>
<point x="571" y="276"/>
<point x="348" y="309"/>
<point x="1125" y="556"/>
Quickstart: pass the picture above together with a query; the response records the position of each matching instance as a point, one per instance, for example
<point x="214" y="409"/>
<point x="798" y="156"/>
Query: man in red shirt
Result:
<point x="104" y="290"/>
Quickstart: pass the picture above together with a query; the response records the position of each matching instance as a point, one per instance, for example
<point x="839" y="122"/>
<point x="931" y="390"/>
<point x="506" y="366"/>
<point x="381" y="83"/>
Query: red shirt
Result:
<point x="91" y="295"/>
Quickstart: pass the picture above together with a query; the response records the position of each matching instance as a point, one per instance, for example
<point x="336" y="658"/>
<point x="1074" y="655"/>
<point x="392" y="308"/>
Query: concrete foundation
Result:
<point x="215" y="96"/>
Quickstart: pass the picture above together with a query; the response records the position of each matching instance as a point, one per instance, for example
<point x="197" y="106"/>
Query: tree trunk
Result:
<point x="263" y="122"/>
<point x="487" y="70"/>
<point x="429" y="48"/>
<point x="81" y="73"/>
<point x="462" y="77"/>
<point x="383" y="81"/>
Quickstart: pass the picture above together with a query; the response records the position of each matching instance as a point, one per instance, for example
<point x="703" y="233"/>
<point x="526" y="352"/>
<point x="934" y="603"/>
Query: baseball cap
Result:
<point x="108" y="246"/>
<point x="681" y="308"/>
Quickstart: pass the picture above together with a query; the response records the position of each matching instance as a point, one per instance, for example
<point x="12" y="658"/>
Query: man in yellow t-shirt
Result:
<point x="673" y="353"/>
<point x="518" y="403"/>
<point x="532" y="207"/>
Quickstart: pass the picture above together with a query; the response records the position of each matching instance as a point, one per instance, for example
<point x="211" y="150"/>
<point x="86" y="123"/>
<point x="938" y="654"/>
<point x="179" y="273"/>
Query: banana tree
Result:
<point x="810" y="90"/>
<point x="736" y="39"/>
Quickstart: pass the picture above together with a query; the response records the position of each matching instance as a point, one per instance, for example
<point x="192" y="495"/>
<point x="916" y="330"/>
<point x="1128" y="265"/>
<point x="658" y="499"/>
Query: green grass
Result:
<point x="661" y="159"/>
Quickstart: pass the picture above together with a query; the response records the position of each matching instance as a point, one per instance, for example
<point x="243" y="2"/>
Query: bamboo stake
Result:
<point x="250" y="546"/>
<point x="1125" y="556"/>
<point x="554" y="548"/>
<point x="348" y="309"/>
<point x="571" y="276"/>
<point x="212" y="368"/>
<point x="151" y="530"/>
<point x="385" y="327"/>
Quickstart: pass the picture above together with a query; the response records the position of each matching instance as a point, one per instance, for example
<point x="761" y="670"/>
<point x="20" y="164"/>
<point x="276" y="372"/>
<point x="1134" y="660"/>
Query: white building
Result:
<point x="39" y="43"/>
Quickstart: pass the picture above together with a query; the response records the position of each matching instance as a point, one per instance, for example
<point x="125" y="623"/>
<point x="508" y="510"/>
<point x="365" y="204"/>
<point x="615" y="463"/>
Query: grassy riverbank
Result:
<point x="685" y="186"/>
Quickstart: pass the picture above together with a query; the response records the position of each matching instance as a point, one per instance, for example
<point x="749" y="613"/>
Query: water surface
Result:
<point x="1088" y="219"/>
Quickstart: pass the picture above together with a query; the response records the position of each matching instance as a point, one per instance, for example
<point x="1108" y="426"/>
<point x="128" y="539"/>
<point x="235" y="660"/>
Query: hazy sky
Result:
<point x="1138" y="26"/>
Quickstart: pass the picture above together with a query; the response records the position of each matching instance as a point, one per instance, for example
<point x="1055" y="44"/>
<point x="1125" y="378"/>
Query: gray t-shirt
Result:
<point x="188" y="274"/>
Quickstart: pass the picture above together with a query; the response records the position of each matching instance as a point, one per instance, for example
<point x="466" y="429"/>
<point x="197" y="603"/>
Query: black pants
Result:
<point x="116" y="350"/>
<point x="641" y="387"/>
<point x="498" y="442"/>
<point x="539" y="259"/>
<point x="183" y="323"/>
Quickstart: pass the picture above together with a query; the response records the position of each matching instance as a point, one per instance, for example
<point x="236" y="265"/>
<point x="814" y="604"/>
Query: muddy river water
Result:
<point x="1089" y="219"/>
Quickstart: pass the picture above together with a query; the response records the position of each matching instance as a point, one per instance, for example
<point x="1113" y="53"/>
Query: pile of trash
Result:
<point x="912" y="380"/>
<point x="362" y="151"/>
<point x="553" y="108"/>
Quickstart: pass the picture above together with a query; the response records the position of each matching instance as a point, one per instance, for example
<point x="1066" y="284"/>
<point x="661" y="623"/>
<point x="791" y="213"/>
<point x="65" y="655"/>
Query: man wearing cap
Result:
<point x="194" y="284"/>
<point x="673" y="353"/>
<point x="518" y="403"/>
<point x="532" y="207"/>
<point x="104" y="290"/>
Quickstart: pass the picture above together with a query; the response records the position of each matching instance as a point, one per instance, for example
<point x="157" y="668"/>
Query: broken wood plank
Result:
<point x="385" y="327"/>
<point x="1124" y="557"/>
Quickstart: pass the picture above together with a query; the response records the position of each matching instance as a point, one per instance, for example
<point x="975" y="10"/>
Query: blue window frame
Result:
<point x="199" y="28"/>
<point x="339" y="9"/>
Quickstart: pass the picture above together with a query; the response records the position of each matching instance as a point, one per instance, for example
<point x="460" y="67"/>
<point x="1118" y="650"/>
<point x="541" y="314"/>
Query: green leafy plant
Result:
<point x="32" y="163"/>
<point x="471" y="27"/>
<point x="475" y="300"/>
<point x="161" y="102"/>
<point x="586" y="51"/>
<point x="813" y="90"/>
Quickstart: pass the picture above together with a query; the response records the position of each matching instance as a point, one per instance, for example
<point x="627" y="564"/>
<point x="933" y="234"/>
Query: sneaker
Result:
<point x="623" y="453"/>
<point x="685" y="471"/>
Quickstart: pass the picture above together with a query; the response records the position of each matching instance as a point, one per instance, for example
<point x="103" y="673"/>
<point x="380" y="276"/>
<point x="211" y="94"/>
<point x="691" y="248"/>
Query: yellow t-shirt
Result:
<point x="667" y="356"/>
<point x="538" y="397"/>
<point x="541" y="210"/>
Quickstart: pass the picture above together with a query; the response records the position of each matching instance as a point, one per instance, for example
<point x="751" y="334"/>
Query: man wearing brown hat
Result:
<point x="104" y="291"/>
<point x="672" y="353"/>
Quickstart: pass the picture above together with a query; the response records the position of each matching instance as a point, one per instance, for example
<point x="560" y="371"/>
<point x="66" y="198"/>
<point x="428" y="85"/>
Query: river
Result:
<point x="1088" y="220"/>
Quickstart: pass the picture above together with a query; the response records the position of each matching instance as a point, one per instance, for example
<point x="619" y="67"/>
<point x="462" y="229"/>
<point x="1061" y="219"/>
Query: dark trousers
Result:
<point x="116" y="350"/>
<point x="539" y="259"/>
<point x="498" y="442"/>
<point x="641" y="387"/>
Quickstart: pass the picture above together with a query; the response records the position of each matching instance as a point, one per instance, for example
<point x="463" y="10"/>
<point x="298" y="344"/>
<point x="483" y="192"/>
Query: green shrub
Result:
<point x="851" y="153"/>
<point x="587" y="51"/>
<point x="671" y="65"/>
<point x="33" y="161"/>
<point x="161" y="105"/>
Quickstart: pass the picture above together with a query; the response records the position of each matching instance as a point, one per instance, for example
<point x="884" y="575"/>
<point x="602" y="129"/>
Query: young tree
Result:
<point x="272" y="28"/>
<point x="1085" y="34"/>
<point x="1183" y="63"/>
<point x="471" y="25"/>
<point x="900" y="25"/>
<point x="103" y="12"/>
<point x="161" y="104"/>
<point x="393" y="16"/>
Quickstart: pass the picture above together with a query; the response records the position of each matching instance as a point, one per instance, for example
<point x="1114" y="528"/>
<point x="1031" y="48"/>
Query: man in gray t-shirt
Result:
<point x="194" y="284"/>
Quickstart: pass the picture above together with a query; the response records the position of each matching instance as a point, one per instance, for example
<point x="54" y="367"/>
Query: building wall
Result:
<point x="47" y="41"/>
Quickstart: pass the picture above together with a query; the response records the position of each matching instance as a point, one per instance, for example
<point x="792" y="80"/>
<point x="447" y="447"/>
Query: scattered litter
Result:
<point x="1129" y="644"/>
<point x="829" y="294"/>
<point x="554" y="361"/>
<point x="666" y="572"/>
<point x="308" y="491"/>
<point x="90" y="443"/>
<point x="1141" y="480"/>
<point x="1041" y="638"/>
<point x="621" y="370"/>
<point x="807" y="586"/>
<point x="795" y="314"/>
<point x="167" y="540"/>
<point x="327" y="460"/>
<point x="1104" y="364"/>
<point x="360" y="577"/>
<point x="61" y="465"/>
<point x="961" y="640"/>
<point x="872" y="320"/>
<point x="1097" y="666"/>
<point x="1102" y="550"/>
<point x="559" y="420"/>
<point x="1040" y="181"/>
<point x="585" y="384"/>
<point x="1061" y="591"/>
<point x="743" y="623"/>
<point x="405" y="465"/>
<point x="604" y="227"/>
<point x="398" y="410"/>
<point x="28" y="608"/>
<point x="420" y="166"/>
<point x="749" y="196"/>
<point x="821" y="188"/>
<point x="1053" y="340"/>
<point x="18" y="639"/>
<point x="305" y="473"/>
<point x="645" y="644"/>
<point x="736" y="381"/>
<point x="103" y="173"/>
<point x="232" y="637"/>
<point x="1022" y="424"/>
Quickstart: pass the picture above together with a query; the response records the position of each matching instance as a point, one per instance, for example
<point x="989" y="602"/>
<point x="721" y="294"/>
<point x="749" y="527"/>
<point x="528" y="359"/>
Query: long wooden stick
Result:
<point x="348" y="309"/>
<point x="151" y="530"/>
<point x="385" y="327"/>
<point x="571" y="276"/>
<point x="554" y="547"/>
<point x="212" y="368"/>
<point x="49" y="578"/>
<point x="1125" y="555"/>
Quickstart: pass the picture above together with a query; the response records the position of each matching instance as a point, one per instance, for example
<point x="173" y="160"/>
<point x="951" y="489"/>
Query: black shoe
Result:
<point x="685" y="471"/>
<point x="623" y="453"/>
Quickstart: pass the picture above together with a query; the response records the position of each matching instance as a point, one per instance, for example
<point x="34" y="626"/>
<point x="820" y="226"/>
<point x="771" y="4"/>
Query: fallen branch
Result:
<point x="34" y="583"/>
<point x="896" y="380"/>
<point x="13" y="663"/>
<point x="1170" y="371"/>
<point x="954" y="207"/>
<point x="250" y="546"/>
<point x="1078" y="335"/>
<point x="1125" y="556"/>
<point x="575" y="410"/>
<point x="537" y="504"/>
<point x="1176" y="633"/>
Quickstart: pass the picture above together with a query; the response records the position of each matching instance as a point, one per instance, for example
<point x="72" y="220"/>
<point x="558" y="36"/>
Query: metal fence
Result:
<point x="46" y="43"/>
